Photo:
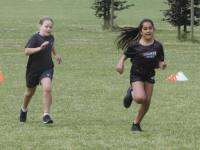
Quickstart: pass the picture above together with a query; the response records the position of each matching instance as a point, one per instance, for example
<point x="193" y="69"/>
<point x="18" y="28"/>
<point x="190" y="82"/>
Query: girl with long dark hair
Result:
<point x="146" y="54"/>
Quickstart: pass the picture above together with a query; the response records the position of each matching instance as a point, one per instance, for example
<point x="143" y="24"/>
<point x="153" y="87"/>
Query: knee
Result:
<point x="47" y="90"/>
<point x="29" y="94"/>
<point x="139" y="99"/>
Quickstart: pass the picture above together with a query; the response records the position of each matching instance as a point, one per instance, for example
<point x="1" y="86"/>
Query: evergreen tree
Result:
<point x="103" y="8"/>
<point x="179" y="14"/>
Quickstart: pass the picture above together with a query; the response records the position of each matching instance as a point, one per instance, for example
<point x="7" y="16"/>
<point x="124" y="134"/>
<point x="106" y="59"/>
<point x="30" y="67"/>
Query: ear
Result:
<point x="39" y="26"/>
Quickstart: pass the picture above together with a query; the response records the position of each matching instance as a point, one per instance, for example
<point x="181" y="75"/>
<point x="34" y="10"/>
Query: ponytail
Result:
<point x="127" y="36"/>
<point x="130" y="34"/>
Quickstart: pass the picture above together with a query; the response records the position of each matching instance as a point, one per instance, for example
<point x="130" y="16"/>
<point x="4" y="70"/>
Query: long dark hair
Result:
<point x="130" y="34"/>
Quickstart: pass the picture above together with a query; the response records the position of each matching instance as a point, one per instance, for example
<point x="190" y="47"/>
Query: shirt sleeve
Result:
<point x="130" y="52"/>
<point x="31" y="42"/>
<point x="161" y="51"/>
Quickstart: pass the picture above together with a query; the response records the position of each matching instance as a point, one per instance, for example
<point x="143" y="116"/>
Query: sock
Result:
<point x="46" y="114"/>
<point x="24" y="110"/>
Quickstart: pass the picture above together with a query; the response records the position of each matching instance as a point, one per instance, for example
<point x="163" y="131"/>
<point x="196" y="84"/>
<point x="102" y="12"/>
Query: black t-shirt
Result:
<point x="145" y="58"/>
<point x="42" y="60"/>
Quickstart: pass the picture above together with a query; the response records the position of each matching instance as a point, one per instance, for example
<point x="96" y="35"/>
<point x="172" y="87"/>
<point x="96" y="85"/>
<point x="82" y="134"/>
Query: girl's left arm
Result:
<point x="161" y="63"/>
<point x="58" y="58"/>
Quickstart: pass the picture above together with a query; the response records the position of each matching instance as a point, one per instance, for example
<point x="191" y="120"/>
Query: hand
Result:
<point x="58" y="58"/>
<point x="120" y="68"/>
<point x="162" y="65"/>
<point x="44" y="45"/>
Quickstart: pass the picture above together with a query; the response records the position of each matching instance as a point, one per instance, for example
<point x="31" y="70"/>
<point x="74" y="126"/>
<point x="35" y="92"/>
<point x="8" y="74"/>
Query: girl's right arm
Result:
<point x="30" y="51"/>
<point x="120" y="66"/>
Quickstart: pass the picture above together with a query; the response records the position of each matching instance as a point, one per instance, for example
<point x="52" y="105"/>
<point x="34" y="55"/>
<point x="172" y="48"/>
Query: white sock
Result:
<point x="24" y="110"/>
<point x="46" y="114"/>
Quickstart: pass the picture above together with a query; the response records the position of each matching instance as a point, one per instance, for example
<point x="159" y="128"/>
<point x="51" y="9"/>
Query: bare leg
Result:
<point x="142" y="92"/>
<point x="46" y="84"/>
<point x="27" y="97"/>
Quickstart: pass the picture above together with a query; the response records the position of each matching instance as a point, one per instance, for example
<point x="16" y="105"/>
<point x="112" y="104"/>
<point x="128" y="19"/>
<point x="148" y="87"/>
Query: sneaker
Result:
<point x="23" y="116"/>
<point x="136" y="127"/>
<point x="128" y="98"/>
<point x="47" y="119"/>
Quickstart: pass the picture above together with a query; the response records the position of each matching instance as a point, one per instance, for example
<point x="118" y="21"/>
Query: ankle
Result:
<point x="46" y="114"/>
<point x="24" y="110"/>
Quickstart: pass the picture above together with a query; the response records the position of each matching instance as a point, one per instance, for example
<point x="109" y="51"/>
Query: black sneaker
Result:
<point x="47" y="119"/>
<point x="136" y="127"/>
<point x="128" y="98"/>
<point x="23" y="116"/>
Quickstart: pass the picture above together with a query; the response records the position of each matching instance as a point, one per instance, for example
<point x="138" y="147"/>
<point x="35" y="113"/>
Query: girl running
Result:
<point x="40" y="67"/>
<point x="146" y="54"/>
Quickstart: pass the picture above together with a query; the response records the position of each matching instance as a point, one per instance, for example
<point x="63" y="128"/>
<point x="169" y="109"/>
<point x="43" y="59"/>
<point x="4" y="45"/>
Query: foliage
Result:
<point x="179" y="13"/>
<point x="103" y="9"/>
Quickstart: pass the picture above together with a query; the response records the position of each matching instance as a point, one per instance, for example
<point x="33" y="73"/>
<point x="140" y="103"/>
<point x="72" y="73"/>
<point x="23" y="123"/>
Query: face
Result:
<point x="46" y="28"/>
<point x="147" y="31"/>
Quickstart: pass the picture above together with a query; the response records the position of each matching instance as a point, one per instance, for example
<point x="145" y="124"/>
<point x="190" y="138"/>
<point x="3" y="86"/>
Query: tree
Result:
<point x="103" y="10"/>
<point x="179" y="14"/>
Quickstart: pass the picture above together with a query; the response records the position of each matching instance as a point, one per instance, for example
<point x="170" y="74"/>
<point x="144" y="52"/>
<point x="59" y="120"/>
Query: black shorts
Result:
<point x="34" y="80"/>
<point x="142" y="78"/>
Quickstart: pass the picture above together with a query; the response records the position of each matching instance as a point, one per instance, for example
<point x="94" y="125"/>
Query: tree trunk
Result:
<point x="106" y="15"/>
<point x="179" y="32"/>
<point x="185" y="31"/>
<point x="112" y="13"/>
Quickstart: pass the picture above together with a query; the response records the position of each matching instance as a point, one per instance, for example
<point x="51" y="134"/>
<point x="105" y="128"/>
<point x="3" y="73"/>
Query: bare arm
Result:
<point x="120" y="66"/>
<point x="30" y="51"/>
<point x="58" y="58"/>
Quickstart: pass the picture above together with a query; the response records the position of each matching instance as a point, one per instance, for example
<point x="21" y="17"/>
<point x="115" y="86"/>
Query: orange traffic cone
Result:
<point x="1" y="76"/>
<point x="172" y="77"/>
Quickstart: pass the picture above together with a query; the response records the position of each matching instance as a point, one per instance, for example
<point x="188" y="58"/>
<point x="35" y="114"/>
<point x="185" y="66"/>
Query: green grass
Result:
<point x="87" y="91"/>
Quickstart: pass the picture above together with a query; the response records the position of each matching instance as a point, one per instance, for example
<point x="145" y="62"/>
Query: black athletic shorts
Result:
<point x="142" y="78"/>
<point x="34" y="80"/>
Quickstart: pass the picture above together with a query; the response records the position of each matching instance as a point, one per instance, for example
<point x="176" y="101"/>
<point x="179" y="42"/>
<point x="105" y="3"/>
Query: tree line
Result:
<point x="178" y="14"/>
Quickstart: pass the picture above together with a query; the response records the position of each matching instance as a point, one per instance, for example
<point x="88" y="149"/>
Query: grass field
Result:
<point x="87" y="91"/>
